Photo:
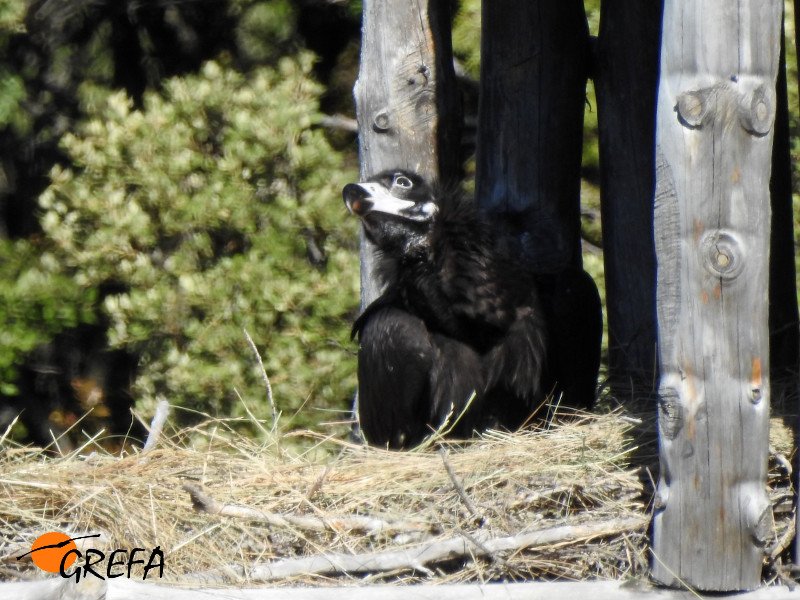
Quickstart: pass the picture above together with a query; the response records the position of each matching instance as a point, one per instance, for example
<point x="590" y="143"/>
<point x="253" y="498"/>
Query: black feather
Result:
<point x="459" y="327"/>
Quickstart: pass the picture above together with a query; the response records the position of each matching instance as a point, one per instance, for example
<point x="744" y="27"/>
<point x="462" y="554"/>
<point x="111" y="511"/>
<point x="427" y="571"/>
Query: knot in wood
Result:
<point x="425" y="106"/>
<point x="670" y="413"/>
<point x="382" y="122"/>
<point x="759" y="516"/>
<point x="721" y="254"/>
<point x="692" y="108"/>
<point x="756" y="112"/>
<point x="660" y="499"/>
<point x="756" y="380"/>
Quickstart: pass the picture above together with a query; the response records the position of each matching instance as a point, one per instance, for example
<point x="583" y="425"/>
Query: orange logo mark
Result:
<point x="49" y="549"/>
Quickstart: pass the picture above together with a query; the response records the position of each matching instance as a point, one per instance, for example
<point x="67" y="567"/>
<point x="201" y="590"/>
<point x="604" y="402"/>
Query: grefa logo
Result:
<point x="56" y="552"/>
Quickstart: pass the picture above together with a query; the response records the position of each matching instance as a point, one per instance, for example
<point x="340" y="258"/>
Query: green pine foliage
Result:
<point x="467" y="37"/>
<point x="37" y="300"/>
<point x="12" y="86"/>
<point x="215" y="209"/>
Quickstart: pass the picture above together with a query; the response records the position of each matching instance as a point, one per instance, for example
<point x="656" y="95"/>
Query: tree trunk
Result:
<point x="716" y="109"/>
<point x="530" y="127"/>
<point x="626" y="80"/>
<point x="783" y="318"/>
<point x="406" y="99"/>
<point x="796" y="11"/>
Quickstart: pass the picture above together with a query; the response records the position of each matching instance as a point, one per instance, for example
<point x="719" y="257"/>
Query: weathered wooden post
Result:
<point x="406" y="103"/>
<point x="716" y="108"/>
<point x="406" y="99"/>
<point x="533" y="86"/>
<point x="626" y="80"/>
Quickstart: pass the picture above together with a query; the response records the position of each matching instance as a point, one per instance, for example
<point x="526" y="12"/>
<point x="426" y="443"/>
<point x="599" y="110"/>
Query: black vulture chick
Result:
<point x="462" y="337"/>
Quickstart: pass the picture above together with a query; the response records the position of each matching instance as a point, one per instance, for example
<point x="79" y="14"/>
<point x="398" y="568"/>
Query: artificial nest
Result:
<point x="571" y="501"/>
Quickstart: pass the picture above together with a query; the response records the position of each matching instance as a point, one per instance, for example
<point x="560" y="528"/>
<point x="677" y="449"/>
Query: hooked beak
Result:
<point x="363" y="198"/>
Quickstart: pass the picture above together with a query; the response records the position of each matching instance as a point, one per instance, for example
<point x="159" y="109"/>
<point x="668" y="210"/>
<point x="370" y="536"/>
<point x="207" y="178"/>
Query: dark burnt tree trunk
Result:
<point x="530" y="123"/>
<point x="626" y="79"/>
<point x="797" y="485"/>
<point x="783" y="317"/>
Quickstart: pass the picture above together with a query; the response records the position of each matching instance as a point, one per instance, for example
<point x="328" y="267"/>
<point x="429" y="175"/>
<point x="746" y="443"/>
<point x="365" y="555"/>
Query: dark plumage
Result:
<point x="461" y="328"/>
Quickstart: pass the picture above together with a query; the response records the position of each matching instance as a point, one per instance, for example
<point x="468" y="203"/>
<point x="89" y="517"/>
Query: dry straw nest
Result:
<point x="571" y="501"/>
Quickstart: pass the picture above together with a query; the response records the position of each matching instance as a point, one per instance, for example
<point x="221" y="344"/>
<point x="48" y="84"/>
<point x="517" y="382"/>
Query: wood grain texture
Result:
<point x="716" y="109"/>
<point x="626" y="81"/>
<point x="530" y="124"/>
<point x="406" y="99"/>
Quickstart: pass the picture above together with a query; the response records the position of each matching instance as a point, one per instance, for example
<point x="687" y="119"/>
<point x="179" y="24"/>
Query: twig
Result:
<point x="486" y="551"/>
<point x="340" y="122"/>
<point x="446" y="427"/>
<point x="416" y="557"/>
<point x="8" y="429"/>
<point x="315" y="488"/>
<point x="156" y="425"/>
<point x="783" y="462"/>
<point x="782" y="543"/>
<point x="370" y="525"/>
<point x="460" y="489"/>
<point x="265" y="378"/>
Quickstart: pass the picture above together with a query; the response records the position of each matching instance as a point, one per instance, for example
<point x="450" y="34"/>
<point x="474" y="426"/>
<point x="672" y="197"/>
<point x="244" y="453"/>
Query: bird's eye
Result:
<point x="402" y="181"/>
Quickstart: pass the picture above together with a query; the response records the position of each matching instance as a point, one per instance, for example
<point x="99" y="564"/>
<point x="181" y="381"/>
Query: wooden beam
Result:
<point x="783" y="315"/>
<point x="716" y="109"/>
<point x="406" y="99"/>
<point x="124" y="589"/>
<point x="626" y="80"/>
<point x="530" y="127"/>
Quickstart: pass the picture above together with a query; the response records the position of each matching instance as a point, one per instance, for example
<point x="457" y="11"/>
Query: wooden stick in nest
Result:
<point x="156" y="425"/>
<point x="416" y="557"/>
<point x="479" y="518"/>
<point x="353" y="523"/>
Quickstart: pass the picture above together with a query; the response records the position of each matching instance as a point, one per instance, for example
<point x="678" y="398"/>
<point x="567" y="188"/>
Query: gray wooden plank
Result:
<point x="406" y="99"/>
<point x="716" y="108"/>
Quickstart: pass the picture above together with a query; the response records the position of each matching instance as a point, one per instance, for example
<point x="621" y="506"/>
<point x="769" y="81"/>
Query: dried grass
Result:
<point x="589" y="469"/>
